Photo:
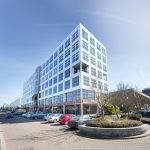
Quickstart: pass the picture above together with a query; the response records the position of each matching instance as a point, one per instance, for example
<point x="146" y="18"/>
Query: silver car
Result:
<point x="54" y="118"/>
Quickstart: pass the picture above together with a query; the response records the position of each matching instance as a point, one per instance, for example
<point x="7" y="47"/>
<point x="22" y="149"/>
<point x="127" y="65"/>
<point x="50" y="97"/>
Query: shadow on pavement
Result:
<point x="16" y="119"/>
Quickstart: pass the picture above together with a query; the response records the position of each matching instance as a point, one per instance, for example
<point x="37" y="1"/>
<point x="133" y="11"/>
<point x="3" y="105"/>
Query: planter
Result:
<point x="113" y="132"/>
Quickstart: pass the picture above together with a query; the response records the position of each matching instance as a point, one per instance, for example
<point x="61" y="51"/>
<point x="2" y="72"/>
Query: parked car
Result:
<point x="38" y="115"/>
<point x="47" y="116"/>
<point x="54" y="118"/>
<point x="9" y="115"/>
<point x="65" y="117"/>
<point x="144" y="113"/>
<point x="24" y="115"/>
<point x="29" y="115"/>
<point x="78" y="120"/>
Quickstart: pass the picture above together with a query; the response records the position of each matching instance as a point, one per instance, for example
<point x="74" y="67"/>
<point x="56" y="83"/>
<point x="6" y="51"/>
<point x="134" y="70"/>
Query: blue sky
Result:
<point x="31" y="29"/>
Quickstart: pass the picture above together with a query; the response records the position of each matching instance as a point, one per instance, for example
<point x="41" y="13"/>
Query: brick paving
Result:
<point x="24" y="134"/>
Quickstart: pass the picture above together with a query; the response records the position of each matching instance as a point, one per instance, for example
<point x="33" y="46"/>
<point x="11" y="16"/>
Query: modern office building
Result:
<point x="16" y="103"/>
<point x="66" y="80"/>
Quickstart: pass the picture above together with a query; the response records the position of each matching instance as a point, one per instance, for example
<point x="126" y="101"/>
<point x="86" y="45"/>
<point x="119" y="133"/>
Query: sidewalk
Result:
<point x="2" y="140"/>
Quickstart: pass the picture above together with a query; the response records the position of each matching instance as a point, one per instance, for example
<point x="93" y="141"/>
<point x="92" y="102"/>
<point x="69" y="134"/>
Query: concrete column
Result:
<point x="81" y="97"/>
<point x="64" y="100"/>
<point x="52" y="104"/>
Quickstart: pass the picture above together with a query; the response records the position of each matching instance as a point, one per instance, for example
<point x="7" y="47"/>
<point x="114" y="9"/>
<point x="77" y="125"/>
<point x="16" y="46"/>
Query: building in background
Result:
<point x="146" y="91"/>
<point x="65" y="81"/>
<point x="16" y="103"/>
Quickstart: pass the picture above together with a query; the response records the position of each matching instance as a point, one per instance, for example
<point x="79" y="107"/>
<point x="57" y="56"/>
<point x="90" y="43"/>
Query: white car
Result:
<point x="53" y="118"/>
<point x="29" y="114"/>
<point x="48" y="115"/>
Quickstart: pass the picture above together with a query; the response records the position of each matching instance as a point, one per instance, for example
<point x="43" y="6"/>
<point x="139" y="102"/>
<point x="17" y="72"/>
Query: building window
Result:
<point x="51" y="58"/>
<point x="50" y="91"/>
<point x="61" y="49"/>
<point x="85" y="56"/>
<point x="51" y="66"/>
<point x="55" y="80"/>
<point x="105" y="87"/>
<point x="98" y="47"/>
<point x="92" y="41"/>
<point x="93" y="62"/>
<point x="47" y="69"/>
<point x="88" y="94"/>
<point x="67" y="62"/>
<point x="75" y="46"/>
<point x="98" y="55"/>
<point x="104" y="59"/>
<point x="93" y="71"/>
<point x="92" y="50"/>
<point x="50" y="82"/>
<point x="47" y="62"/>
<point x="73" y="96"/>
<point x="85" y="45"/>
<point x="46" y="93"/>
<point x="46" y="77"/>
<point x="75" y="36"/>
<point x="61" y="58"/>
<point x="67" y="52"/>
<point x="55" y="54"/>
<point x="105" y="76"/>
<point x="46" y="84"/>
<point x="75" y="81"/>
<point x="67" y="43"/>
<point x="100" y="85"/>
<point x="75" y="57"/>
<point x="60" y="87"/>
<point x="50" y="74"/>
<point x="67" y="73"/>
<point x="67" y="84"/>
<point x="99" y="65"/>
<point x="55" y="89"/>
<point x="84" y="35"/>
<point x="61" y="76"/>
<point x="55" y="70"/>
<point x="55" y="62"/>
<point x="61" y="67"/>
<point x="103" y="50"/>
<point x="93" y="82"/>
<point x="42" y="86"/>
<point x="86" y="81"/>
<point x="99" y="74"/>
<point x="104" y="68"/>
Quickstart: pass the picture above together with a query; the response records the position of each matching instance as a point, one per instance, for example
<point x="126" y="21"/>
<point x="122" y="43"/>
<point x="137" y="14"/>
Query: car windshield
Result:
<point x="76" y="118"/>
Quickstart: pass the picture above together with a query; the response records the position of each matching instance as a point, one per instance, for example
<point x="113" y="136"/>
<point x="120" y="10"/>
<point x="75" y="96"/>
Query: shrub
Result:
<point x="135" y="116"/>
<point x="145" y="120"/>
<point x="124" y="116"/>
<point x="111" y="109"/>
<point x="113" y="124"/>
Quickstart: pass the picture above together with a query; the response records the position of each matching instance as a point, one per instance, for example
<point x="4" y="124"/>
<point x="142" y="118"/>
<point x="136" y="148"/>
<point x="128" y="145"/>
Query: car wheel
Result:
<point x="55" y="120"/>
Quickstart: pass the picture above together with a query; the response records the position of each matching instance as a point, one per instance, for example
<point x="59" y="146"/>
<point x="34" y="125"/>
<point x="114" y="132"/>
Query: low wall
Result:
<point x="113" y="132"/>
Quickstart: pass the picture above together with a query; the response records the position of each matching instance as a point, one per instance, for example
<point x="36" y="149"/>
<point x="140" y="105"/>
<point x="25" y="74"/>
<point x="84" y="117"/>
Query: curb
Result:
<point x="89" y="135"/>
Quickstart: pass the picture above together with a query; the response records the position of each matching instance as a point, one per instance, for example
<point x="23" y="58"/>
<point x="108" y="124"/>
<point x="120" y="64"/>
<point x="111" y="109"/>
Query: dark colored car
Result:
<point x="144" y="113"/>
<point x="9" y="115"/>
<point x="78" y="120"/>
<point x="65" y="117"/>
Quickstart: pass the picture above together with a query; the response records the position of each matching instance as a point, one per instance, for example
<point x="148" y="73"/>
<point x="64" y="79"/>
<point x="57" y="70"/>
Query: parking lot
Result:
<point x="25" y="134"/>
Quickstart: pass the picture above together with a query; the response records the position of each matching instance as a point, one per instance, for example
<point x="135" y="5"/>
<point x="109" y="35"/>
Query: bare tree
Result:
<point x="100" y="99"/>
